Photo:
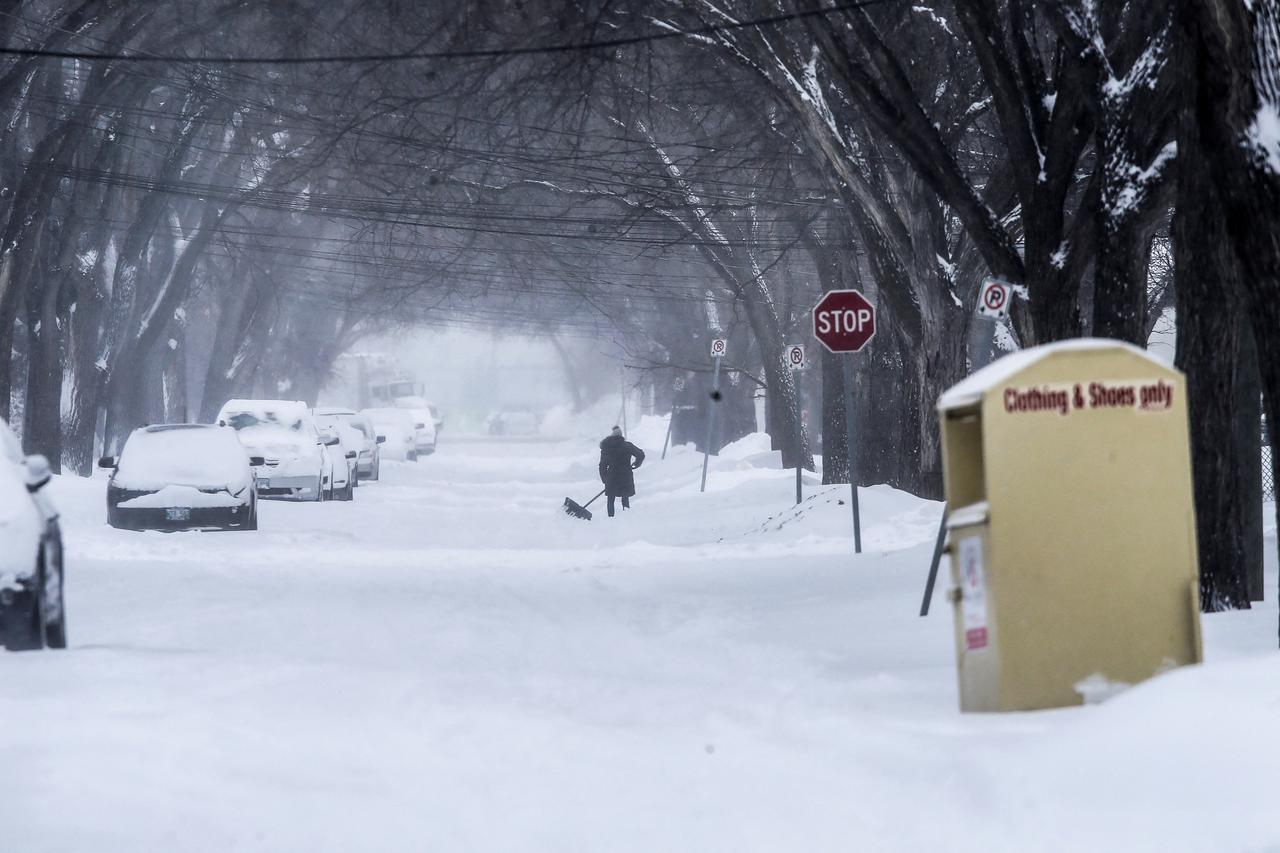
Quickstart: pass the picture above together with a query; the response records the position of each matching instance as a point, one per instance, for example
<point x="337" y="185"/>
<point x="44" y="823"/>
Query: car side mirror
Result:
<point x="419" y="426"/>
<point x="351" y="454"/>
<point x="107" y="462"/>
<point x="382" y="439"/>
<point x="255" y="461"/>
<point x="38" y="472"/>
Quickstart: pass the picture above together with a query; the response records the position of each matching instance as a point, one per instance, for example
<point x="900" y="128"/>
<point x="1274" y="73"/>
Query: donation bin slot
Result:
<point x="1070" y="532"/>
<point x="964" y="472"/>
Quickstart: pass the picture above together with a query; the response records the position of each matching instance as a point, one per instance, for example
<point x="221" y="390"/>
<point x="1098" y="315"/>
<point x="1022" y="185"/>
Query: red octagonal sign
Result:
<point x="843" y="320"/>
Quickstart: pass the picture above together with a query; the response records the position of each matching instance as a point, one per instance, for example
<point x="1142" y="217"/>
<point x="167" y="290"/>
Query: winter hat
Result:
<point x="617" y="430"/>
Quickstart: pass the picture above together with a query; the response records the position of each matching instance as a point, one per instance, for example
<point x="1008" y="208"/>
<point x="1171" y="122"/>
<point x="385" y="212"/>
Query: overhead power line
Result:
<point x="472" y="53"/>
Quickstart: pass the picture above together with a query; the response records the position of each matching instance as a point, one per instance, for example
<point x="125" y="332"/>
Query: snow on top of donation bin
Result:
<point x="970" y="391"/>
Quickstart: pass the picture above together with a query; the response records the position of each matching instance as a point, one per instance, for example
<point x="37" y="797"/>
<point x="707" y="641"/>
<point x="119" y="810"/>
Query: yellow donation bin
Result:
<point x="1071" y="530"/>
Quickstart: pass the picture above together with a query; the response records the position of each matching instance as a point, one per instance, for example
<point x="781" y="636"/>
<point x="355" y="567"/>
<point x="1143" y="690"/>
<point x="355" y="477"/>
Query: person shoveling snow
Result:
<point x="618" y="458"/>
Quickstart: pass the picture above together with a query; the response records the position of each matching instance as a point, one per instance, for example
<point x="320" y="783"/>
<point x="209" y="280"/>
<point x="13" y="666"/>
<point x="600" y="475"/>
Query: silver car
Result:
<point x="368" y="455"/>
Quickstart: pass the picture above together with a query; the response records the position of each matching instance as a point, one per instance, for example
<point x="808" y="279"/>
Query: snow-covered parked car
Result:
<point x="343" y="455"/>
<point x="368" y="456"/>
<point x="427" y="421"/>
<point x="32" y="614"/>
<point x="397" y="426"/>
<point x="297" y="463"/>
<point x="182" y="477"/>
<point x="424" y="431"/>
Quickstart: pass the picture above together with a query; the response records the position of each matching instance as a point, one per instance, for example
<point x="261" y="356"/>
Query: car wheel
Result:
<point x="52" y="606"/>
<point x="23" y="631"/>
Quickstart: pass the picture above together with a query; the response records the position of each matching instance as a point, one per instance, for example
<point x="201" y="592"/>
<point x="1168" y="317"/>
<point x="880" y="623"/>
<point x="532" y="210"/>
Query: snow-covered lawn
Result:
<point x="450" y="663"/>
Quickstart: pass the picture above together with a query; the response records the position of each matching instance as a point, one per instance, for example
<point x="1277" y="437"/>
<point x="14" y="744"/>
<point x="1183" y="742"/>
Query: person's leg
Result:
<point x="609" y="505"/>
<point x="626" y="503"/>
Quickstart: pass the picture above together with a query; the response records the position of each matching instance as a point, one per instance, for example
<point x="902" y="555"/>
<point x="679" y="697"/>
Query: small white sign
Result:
<point x="973" y="593"/>
<point x="795" y="357"/>
<point x="719" y="347"/>
<point x="994" y="298"/>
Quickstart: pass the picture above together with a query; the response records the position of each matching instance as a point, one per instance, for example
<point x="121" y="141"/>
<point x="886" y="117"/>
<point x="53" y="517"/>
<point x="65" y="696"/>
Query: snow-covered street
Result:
<point x="450" y="663"/>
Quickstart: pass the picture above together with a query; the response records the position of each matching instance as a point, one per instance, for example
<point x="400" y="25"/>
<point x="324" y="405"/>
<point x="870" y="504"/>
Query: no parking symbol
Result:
<point x="993" y="300"/>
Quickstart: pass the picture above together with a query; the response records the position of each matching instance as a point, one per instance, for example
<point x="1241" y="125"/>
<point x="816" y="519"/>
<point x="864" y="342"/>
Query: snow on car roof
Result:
<point x="168" y="427"/>
<point x="970" y="391"/>
<point x="199" y="455"/>
<point x="267" y="409"/>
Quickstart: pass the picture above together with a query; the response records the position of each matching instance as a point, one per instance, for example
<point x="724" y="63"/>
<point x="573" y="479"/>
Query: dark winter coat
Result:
<point x="616" y="454"/>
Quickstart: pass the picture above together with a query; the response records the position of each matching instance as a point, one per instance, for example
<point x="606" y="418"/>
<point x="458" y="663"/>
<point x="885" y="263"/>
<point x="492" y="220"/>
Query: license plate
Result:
<point x="177" y="513"/>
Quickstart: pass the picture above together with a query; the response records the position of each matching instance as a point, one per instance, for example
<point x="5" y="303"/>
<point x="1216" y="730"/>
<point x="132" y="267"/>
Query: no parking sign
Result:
<point x="993" y="299"/>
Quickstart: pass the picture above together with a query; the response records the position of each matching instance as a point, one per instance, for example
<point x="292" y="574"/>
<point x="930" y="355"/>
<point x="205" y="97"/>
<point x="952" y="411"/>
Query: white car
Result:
<point x="397" y="427"/>
<point x="423" y="410"/>
<point x="298" y="464"/>
<point x="368" y="456"/>
<point x="32" y="613"/>
<point x="182" y="477"/>
<point x="424" y="431"/>
<point x="350" y="443"/>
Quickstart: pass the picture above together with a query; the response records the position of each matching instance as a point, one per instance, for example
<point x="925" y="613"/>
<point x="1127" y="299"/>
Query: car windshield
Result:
<point x="242" y="420"/>
<point x="195" y="456"/>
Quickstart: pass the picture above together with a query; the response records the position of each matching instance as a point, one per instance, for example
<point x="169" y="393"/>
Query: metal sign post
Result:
<point x="677" y="386"/>
<point x="718" y="349"/>
<point x="845" y="322"/>
<point x="796" y="362"/>
<point x="851" y="449"/>
<point x="993" y="306"/>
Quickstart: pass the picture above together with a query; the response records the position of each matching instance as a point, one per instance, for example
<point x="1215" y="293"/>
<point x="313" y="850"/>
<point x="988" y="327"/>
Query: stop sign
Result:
<point x="843" y="320"/>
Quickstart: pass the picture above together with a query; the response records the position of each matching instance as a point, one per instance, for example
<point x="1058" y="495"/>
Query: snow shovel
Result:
<point x="572" y="507"/>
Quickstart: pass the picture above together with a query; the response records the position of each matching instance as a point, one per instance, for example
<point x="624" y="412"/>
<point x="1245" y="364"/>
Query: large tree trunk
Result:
<point x="1231" y="50"/>
<point x="42" y="432"/>
<point x="8" y="315"/>
<point x="1248" y="441"/>
<point x="1210" y="319"/>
